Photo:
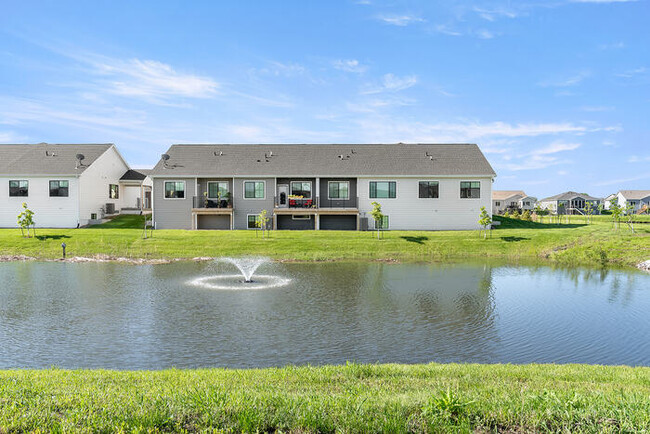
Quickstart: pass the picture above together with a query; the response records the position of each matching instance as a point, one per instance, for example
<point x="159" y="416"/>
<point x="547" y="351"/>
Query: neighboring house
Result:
<point x="136" y="186"/>
<point x="510" y="200"/>
<point x="426" y="187"/>
<point x="65" y="185"/>
<point x="569" y="203"/>
<point x="607" y="202"/>
<point x="636" y="198"/>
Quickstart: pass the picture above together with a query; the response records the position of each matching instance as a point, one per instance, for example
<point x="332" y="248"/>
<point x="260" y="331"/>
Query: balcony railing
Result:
<point x="202" y="202"/>
<point x="318" y="202"/>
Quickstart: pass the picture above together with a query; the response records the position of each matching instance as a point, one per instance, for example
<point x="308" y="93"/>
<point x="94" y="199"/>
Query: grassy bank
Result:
<point x="568" y="244"/>
<point x="353" y="398"/>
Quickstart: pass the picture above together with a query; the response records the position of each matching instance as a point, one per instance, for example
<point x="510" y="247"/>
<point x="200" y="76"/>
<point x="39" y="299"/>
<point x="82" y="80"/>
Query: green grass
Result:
<point x="352" y="398"/>
<point x="567" y="244"/>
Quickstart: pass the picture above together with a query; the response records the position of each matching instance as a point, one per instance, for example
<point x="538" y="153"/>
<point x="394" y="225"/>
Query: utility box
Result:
<point x="363" y="223"/>
<point x="110" y="208"/>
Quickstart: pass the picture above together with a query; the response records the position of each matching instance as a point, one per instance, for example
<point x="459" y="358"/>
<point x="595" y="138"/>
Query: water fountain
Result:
<point x="247" y="267"/>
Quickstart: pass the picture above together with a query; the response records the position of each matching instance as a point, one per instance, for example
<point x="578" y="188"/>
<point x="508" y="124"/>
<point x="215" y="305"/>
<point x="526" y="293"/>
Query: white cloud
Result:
<point x="622" y="180"/>
<point x="556" y="147"/>
<point x="637" y="159"/>
<point x="277" y="69"/>
<point x="392" y="83"/>
<point x="493" y="14"/>
<point x="612" y="46"/>
<point x="447" y="30"/>
<point x="400" y="20"/>
<point x="152" y="79"/>
<point x="633" y="72"/>
<point x="596" y="108"/>
<point x="566" y="82"/>
<point x="485" y="34"/>
<point x="350" y="65"/>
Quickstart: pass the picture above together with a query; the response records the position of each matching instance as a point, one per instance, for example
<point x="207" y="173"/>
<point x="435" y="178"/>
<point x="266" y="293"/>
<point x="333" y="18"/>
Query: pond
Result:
<point x="103" y="315"/>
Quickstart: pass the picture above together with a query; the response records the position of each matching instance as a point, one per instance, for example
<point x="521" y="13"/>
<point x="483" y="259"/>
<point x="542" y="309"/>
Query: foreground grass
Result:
<point x="352" y="398"/>
<point x="567" y="244"/>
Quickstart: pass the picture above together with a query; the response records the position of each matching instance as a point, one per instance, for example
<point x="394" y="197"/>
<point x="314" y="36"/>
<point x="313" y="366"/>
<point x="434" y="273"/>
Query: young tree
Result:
<point x="262" y="222"/>
<point x="589" y="211"/>
<point x="378" y="216"/>
<point x="26" y="220"/>
<point x="485" y="221"/>
<point x="617" y="212"/>
<point x="629" y="212"/>
<point x="526" y="216"/>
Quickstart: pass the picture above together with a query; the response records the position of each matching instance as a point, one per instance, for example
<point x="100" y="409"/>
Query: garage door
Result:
<point x="338" y="222"/>
<point x="296" y="222"/>
<point x="213" y="222"/>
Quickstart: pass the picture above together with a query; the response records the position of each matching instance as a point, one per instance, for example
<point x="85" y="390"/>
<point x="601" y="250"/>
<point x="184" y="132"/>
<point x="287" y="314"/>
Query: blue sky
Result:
<point x="556" y="93"/>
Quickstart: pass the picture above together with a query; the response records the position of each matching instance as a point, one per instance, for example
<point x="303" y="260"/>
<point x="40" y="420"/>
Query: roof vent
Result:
<point x="344" y="157"/>
<point x="218" y="154"/>
<point x="165" y="158"/>
<point x="50" y="154"/>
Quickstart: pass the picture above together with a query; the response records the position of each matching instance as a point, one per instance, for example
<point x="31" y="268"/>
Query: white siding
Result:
<point x="409" y="212"/>
<point x="105" y="170"/>
<point x="49" y="212"/>
<point x="129" y="195"/>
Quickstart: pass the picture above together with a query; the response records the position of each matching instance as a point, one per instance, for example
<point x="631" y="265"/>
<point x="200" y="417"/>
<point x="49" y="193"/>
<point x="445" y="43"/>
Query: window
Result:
<point x="338" y="190"/>
<point x="18" y="188"/>
<point x="174" y="189"/>
<point x="113" y="191"/>
<point x="382" y="224"/>
<point x="383" y="189"/>
<point x="526" y="203"/>
<point x="301" y="188"/>
<point x="301" y="217"/>
<point x="470" y="189"/>
<point x="497" y="203"/>
<point x="253" y="189"/>
<point x="252" y="221"/>
<point x="59" y="188"/>
<point x="428" y="190"/>
<point x="218" y="189"/>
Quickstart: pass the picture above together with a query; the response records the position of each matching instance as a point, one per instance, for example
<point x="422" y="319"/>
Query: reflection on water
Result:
<point x="150" y="317"/>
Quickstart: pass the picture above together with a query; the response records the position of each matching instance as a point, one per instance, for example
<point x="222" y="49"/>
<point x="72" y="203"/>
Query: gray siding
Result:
<point x="242" y="207"/>
<point x="287" y="222"/>
<point x="173" y="213"/>
<point x="324" y="192"/>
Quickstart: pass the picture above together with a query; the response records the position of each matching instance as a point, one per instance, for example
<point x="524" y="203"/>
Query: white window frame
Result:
<point x="217" y="182"/>
<point x="311" y="187"/>
<point x="348" y="196"/>
<point x="243" y="193"/>
<point x="301" y="217"/>
<point x="49" y="188"/>
<point x="427" y="180"/>
<point x="384" y="180"/>
<point x="257" y="217"/>
<point x="174" y="198"/>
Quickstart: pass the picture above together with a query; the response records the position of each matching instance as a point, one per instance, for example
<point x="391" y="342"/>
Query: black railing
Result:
<point x="318" y="202"/>
<point x="203" y="202"/>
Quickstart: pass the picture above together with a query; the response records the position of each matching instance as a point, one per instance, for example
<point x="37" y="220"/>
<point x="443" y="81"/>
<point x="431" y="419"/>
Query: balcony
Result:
<point x="318" y="205"/>
<point x="199" y="202"/>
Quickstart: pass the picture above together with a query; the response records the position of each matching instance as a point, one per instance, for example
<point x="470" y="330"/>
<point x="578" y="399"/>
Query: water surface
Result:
<point x="151" y="317"/>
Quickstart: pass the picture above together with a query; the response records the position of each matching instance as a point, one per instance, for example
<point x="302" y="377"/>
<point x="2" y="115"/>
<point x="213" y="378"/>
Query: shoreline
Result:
<point x="103" y="258"/>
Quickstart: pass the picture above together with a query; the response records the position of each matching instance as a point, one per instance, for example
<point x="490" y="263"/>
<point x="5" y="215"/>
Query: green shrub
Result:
<point x="526" y="216"/>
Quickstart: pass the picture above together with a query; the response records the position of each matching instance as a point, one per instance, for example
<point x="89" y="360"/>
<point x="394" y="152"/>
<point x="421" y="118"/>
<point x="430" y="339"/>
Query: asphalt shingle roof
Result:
<point x="135" y="174"/>
<point x="635" y="194"/>
<point x="568" y="196"/>
<point x="324" y="160"/>
<point x="505" y="194"/>
<point x="48" y="159"/>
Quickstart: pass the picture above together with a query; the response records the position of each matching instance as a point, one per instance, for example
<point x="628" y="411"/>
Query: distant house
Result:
<point x="635" y="198"/>
<point x="136" y="185"/>
<point x="330" y="186"/>
<point x="510" y="200"/>
<point x="66" y="186"/>
<point x="607" y="202"/>
<point x="569" y="203"/>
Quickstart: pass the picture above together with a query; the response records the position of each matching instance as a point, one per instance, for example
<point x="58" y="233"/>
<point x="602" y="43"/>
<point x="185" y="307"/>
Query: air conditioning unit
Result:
<point x="110" y="208"/>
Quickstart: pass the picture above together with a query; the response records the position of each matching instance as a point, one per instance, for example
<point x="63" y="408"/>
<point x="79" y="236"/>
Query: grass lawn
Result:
<point x="567" y="244"/>
<point x="352" y="398"/>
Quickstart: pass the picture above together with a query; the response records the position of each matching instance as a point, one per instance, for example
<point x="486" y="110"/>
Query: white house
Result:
<point x="607" y="202"/>
<point x="503" y="200"/>
<point x="66" y="185"/>
<point x="419" y="186"/>
<point x="638" y="199"/>
<point x="570" y="202"/>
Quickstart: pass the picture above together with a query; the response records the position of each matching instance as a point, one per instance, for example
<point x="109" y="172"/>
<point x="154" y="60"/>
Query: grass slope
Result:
<point x="567" y="244"/>
<point x="352" y="398"/>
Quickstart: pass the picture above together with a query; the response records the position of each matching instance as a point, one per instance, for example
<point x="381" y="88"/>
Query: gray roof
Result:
<point x="324" y="160"/>
<point x="48" y="159"/>
<point x="635" y="194"/>
<point x="569" y="195"/>
<point x="135" y="175"/>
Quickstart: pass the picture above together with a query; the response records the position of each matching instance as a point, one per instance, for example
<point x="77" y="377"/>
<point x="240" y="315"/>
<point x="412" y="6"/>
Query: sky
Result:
<point x="555" y="92"/>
